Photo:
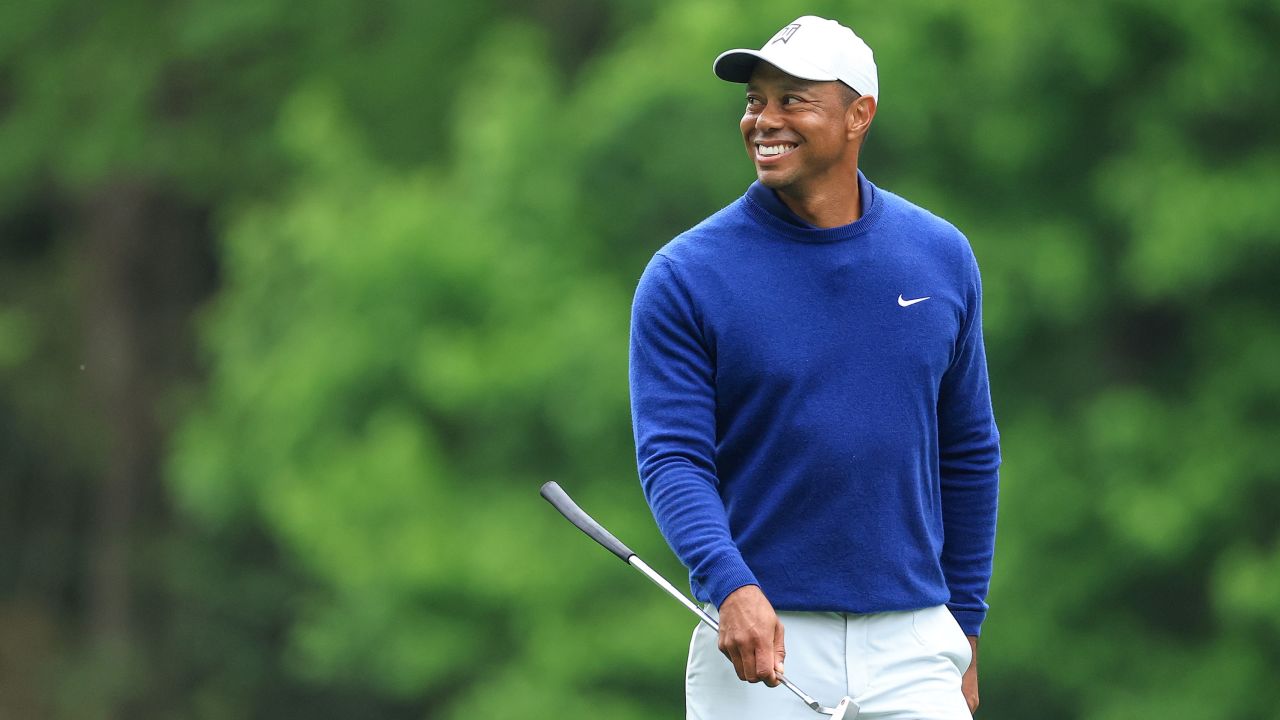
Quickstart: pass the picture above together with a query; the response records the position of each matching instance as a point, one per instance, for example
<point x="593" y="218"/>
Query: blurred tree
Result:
<point x="126" y="129"/>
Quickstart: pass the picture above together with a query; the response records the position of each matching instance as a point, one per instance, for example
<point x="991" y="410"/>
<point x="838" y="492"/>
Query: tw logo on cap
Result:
<point x="785" y="34"/>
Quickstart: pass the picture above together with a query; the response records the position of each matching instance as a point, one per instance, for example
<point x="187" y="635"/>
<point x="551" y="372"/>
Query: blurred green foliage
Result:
<point x="428" y="219"/>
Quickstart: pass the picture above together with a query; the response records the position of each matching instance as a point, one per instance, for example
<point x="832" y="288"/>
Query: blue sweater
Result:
<point x="802" y="425"/>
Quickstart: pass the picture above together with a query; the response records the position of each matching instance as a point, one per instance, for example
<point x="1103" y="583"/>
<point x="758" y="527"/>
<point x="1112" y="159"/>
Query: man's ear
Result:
<point x="859" y="115"/>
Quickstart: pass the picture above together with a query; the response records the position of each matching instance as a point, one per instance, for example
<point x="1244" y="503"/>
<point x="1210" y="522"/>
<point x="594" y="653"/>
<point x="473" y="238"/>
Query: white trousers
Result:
<point x="900" y="665"/>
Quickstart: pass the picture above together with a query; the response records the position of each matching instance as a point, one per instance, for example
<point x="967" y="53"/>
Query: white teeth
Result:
<point x="771" y="150"/>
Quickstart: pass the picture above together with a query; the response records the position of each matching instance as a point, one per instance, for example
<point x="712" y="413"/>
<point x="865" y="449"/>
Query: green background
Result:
<point x="301" y="302"/>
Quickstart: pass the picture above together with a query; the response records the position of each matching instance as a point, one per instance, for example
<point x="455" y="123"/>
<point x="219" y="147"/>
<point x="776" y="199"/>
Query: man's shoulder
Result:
<point x="926" y="231"/>
<point x="707" y="237"/>
<point x="905" y="213"/>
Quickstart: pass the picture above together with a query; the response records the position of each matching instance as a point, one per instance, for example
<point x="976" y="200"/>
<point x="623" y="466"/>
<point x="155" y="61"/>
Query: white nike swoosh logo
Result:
<point x="909" y="303"/>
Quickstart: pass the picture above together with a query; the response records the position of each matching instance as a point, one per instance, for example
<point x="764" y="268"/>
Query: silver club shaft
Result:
<point x="661" y="582"/>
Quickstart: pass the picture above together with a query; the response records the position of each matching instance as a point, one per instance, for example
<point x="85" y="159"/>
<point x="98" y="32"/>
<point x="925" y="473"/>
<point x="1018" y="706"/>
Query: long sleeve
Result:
<point x="672" y="371"/>
<point x="969" y="460"/>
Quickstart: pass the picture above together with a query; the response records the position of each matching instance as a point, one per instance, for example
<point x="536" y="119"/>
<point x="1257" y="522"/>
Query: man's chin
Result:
<point x="771" y="179"/>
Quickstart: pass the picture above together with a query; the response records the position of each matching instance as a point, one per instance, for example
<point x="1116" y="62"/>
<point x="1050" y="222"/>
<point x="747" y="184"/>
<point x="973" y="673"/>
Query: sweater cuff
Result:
<point x="726" y="575"/>
<point x="970" y="621"/>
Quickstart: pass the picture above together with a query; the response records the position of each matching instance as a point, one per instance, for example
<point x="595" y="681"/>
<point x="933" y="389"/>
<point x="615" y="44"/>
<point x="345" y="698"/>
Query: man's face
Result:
<point x="799" y="132"/>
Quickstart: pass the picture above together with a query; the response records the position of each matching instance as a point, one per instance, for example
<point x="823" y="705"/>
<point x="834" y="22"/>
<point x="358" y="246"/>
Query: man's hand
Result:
<point x="969" y="683"/>
<point x="751" y="636"/>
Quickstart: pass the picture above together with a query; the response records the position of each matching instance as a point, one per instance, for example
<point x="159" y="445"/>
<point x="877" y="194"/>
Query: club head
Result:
<point x="846" y="709"/>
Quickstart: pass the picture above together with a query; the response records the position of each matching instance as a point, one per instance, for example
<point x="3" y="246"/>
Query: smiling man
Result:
<point x="812" y="417"/>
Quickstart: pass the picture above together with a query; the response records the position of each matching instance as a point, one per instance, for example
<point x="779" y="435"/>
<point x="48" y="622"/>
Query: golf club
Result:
<point x="846" y="709"/>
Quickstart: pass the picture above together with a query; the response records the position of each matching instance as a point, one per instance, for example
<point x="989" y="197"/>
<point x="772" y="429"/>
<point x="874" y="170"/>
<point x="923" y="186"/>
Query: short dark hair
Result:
<point x="848" y="95"/>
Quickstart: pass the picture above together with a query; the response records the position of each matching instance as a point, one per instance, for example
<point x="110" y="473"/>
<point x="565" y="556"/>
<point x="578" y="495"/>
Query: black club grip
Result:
<point x="587" y="524"/>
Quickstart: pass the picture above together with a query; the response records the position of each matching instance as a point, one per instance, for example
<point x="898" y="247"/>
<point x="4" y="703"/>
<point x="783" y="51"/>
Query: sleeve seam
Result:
<point x="694" y="308"/>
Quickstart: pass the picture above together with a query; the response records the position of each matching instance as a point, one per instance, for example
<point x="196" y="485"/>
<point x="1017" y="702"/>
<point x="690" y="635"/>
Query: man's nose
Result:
<point x="768" y="119"/>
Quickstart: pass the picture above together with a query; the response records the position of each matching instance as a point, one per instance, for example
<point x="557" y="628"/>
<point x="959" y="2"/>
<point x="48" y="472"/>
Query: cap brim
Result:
<point x="737" y="65"/>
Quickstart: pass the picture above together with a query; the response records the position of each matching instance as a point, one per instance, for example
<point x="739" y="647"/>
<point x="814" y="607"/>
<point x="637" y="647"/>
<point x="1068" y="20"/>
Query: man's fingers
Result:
<point x="750" y="659"/>
<point x="770" y="654"/>
<point x="732" y="652"/>
<point x="767" y="665"/>
<point x="780" y="647"/>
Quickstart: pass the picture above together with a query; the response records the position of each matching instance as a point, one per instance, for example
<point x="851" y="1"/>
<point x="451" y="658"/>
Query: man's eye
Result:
<point x="752" y="101"/>
<point x="791" y="100"/>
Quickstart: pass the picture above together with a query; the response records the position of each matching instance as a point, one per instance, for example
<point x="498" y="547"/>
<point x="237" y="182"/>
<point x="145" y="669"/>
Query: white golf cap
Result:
<point x="810" y="48"/>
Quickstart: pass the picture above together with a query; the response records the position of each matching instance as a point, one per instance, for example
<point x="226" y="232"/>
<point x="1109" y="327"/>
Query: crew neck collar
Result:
<point x="763" y="204"/>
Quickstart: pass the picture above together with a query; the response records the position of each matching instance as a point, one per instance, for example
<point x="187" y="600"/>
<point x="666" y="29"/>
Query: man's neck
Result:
<point x="828" y="206"/>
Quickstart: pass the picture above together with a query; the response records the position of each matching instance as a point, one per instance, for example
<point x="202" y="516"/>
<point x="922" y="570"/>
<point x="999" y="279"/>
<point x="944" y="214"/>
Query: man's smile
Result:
<point x="774" y="150"/>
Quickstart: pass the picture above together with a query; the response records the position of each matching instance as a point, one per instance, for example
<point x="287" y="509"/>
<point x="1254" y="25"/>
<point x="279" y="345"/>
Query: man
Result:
<point x="812" y="416"/>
